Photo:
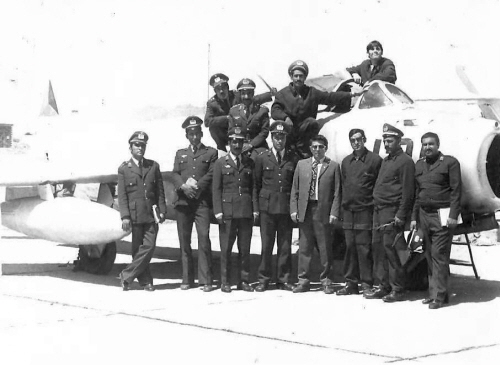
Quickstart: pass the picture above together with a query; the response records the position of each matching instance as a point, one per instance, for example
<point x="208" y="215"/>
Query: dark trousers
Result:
<point x="228" y="231"/>
<point x="200" y="216"/>
<point x="387" y="265"/>
<point x="358" y="261"/>
<point x="301" y="135"/>
<point x="313" y="233"/>
<point x="272" y="225"/>
<point x="438" y="240"/>
<point x="219" y="135"/>
<point x="143" y="248"/>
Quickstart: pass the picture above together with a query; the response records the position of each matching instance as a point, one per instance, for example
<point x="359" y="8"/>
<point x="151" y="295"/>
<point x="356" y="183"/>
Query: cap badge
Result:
<point x="300" y="63"/>
<point x="192" y="122"/>
<point x="279" y="127"/>
<point x="386" y="128"/>
<point x="140" y="136"/>
<point x="217" y="79"/>
<point x="246" y="82"/>
<point x="237" y="130"/>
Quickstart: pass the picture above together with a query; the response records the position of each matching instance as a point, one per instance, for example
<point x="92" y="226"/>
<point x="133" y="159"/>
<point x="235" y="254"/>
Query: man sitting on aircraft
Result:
<point x="252" y="116"/>
<point x="375" y="67"/>
<point x="217" y="114"/>
<point x="393" y="199"/>
<point x="142" y="207"/>
<point x="297" y="104"/>
<point x="193" y="172"/>
<point x="437" y="206"/>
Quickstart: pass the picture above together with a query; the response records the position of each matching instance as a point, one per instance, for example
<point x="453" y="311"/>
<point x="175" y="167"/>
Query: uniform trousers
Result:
<point x="219" y="135"/>
<point x="438" y="241"/>
<point x="240" y="228"/>
<point x="143" y="247"/>
<point x="314" y="233"/>
<point x="358" y="262"/>
<point x="275" y="226"/>
<point x="387" y="266"/>
<point x="199" y="215"/>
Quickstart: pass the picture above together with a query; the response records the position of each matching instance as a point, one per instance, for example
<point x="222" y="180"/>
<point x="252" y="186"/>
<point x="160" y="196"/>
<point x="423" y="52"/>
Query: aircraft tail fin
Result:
<point x="49" y="107"/>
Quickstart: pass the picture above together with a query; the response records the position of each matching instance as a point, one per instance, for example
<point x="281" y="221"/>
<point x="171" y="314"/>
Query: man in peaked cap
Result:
<point x="273" y="182"/>
<point x="254" y="117"/>
<point x="217" y="113"/>
<point x="297" y="104"/>
<point x="393" y="200"/>
<point x="192" y="179"/>
<point x="140" y="191"/>
<point x="235" y="208"/>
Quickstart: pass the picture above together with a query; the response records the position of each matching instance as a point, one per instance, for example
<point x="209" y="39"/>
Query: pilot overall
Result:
<point x="438" y="185"/>
<point x="393" y="199"/>
<point x="235" y="208"/>
<point x="273" y="182"/>
<point x="140" y="187"/>
<point x="217" y="113"/>
<point x="193" y="171"/>
<point x="254" y="117"/>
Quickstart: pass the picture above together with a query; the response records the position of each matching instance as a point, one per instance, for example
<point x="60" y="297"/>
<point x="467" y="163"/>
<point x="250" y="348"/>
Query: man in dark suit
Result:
<point x="254" y="117"/>
<point x="315" y="205"/>
<point x="273" y="182"/>
<point x="235" y="208"/>
<point x="217" y="114"/>
<point x="438" y="188"/>
<point x="140" y="191"/>
<point x="193" y="171"/>
<point x="393" y="200"/>
<point x="375" y="67"/>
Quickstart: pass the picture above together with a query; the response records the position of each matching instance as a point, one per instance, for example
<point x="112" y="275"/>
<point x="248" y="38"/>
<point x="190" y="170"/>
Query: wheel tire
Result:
<point x="98" y="266"/>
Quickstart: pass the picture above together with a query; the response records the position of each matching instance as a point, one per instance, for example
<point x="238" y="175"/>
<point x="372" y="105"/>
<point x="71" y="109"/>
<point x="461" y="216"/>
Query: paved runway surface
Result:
<point x="51" y="315"/>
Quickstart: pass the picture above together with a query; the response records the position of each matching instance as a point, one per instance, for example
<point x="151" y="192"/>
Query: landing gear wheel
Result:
<point x="95" y="265"/>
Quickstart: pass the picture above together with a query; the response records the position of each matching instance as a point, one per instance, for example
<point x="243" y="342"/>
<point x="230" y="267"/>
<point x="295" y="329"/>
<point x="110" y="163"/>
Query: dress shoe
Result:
<point x="436" y="304"/>
<point x="427" y="301"/>
<point x="149" y="287"/>
<point x="261" y="287"/>
<point x="376" y="294"/>
<point x="348" y="290"/>
<point x="394" y="296"/>
<point x="245" y="286"/>
<point x="208" y="288"/>
<point x="301" y="288"/>
<point x="124" y="284"/>
<point x="285" y="286"/>
<point x="186" y="286"/>
<point x="328" y="289"/>
<point x="225" y="288"/>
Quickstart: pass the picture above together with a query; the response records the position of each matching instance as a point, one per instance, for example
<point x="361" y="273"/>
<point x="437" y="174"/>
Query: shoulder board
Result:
<point x="441" y="158"/>
<point x="124" y="163"/>
<point x="421" y="158"/>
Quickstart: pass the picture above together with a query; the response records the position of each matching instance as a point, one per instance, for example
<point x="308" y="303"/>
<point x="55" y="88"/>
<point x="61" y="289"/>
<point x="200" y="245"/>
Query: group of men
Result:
<point x="293" y="182"/>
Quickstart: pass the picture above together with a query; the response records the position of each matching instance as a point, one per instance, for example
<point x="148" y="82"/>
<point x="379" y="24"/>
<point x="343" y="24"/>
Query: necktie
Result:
<point x="140" y="167"/>
<point x="312" y="190"/>
<point x="195" y="149"/>
<point x="278" y="155"/>
<point x="238" y="162"/>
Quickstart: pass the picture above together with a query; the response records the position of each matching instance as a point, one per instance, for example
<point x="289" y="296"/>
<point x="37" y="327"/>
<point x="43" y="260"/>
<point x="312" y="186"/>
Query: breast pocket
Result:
<point x="130" y="185"/>
<point x="183" y="163"/>
<point x="268" y="171"/>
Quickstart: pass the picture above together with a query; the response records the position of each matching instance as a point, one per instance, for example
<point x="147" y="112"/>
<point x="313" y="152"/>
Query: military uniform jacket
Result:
<point x="385" y="71"/>
<point x="298" y="107"/>
<point x="257" y="122"/>
<point x="329" y="189"/>
<point x="217" y="111"/>
<point x="273" y="181"/>
<point x="395" y="185"/>
<point x="199" y="166"/>
<point x="138" y="192"/>
<point x="438" y="185"/>
<point x="233" y="192"/>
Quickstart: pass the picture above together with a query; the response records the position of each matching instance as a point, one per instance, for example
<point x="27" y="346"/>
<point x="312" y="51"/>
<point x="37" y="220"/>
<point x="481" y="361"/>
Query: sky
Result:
<point x="124" y="57"/>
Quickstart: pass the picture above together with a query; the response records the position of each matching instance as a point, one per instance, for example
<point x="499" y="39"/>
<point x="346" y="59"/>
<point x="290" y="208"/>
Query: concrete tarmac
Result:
<point x="52" y="315"/>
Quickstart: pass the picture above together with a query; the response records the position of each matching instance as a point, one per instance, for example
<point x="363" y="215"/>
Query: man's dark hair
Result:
<point x="352" y="132"/>
<point x="430" y="135"/>
<point x="372" y="45"/>
<point x="319" y="138"/>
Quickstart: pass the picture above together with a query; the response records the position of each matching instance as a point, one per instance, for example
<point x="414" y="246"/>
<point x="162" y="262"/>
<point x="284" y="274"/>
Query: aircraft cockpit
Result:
<point x="382" y="94"/>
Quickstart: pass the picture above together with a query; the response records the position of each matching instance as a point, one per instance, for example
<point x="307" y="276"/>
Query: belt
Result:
<point x="429" y="210"/>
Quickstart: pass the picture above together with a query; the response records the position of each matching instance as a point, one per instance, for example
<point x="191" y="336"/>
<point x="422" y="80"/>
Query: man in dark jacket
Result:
<point x="437" y="207"/>
<point x="193" y="171"/>
<point x="297" y="104"/>
<point x="217" y="114"/>
<point x="273" y="182"/>
<point x="375" y="67"/>
<point x="142" y="206"/>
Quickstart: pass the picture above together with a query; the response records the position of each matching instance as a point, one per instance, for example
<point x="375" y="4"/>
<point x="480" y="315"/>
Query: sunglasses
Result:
<point x="318" y="147"/>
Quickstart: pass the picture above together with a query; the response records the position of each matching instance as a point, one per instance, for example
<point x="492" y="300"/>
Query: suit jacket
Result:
<point x="329" y="189"/>
<point x="200" y="167"/>
<point x="233" y="192"/>
<point x="257" y="122"/>
<point x="138" y="192"/>
<point x="273" y="181"/>
<point x="385" y="71"/>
